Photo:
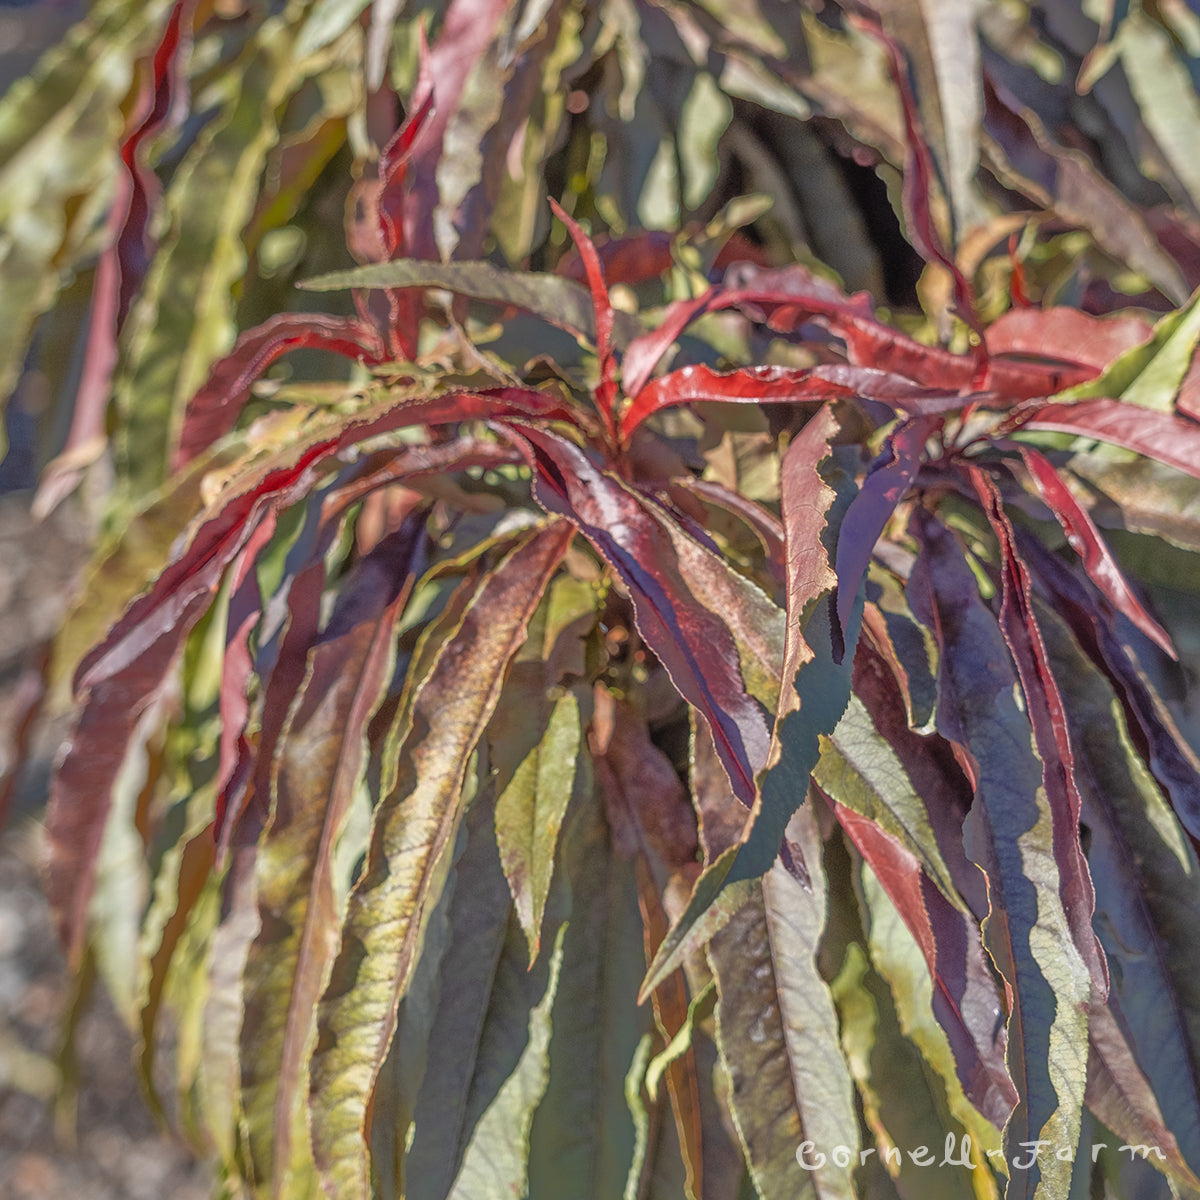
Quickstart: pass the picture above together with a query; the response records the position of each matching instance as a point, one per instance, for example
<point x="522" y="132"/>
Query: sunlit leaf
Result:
<point x="414" y="830"/>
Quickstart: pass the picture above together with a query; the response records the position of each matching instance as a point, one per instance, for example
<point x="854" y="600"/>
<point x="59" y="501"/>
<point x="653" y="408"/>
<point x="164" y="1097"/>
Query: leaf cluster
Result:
<point x="567" y="713"/>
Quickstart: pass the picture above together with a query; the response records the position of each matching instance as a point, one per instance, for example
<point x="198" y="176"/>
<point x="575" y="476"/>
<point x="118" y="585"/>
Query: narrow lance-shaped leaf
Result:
<point x="1170" y="758"/>
<point x="885" y="486"/>
<point x="811" y="700"/>
<point x="214" y="409"/>
<point x="1086" y="540"/>
<point x="184" y="317"/>
<point x="903" y="1102"/>
<point x="1144" y="872"/>
<point x="652" y="822"/>
<point x="1010" y="834"/>
<point x="1170" y="439"/>
<point x="162" y="100"/>
<point x="1052" y="739"/>
<point x="748" y="385"/>
<point x="319" y="765"/>
<point x="582" y="1144"/>
<point x="414" y="830"/>
<point x="487" y="1048"/>
<point x="965" y="998"/>
<point x="561" y="302"/>
<point x="59" y="126"/>
<point x="536" y="739"/>
<point x="777" y="1029"/>
<point x="900" y="959"/>
<point x="606" y="388"/>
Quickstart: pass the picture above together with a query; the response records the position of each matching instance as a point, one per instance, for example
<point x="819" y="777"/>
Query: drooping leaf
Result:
<point x="965" y="998"/>
<point x="1170" y="758"/>
<point x="1052" y="739"/>
<point x="319" y="764"/>
<point x="1085" y="539"/>
<point x="536" y="739"/>
<point x="682" y="593"/>
<point x="507" y="1055"/>
<point x="1142" y="868"/>
<point x="885" y="486"/>
<point x="815" y="493"/>
<point x="904" y="1105"/>
<point x="1010" y="834"/>
<point x="422" y="1117"/>
<point x="60" y="126"/>
<point x="777" y="1031"/>
<point x="899" y="959"/>
<point x="183" y="319"/>
<point x="413" y="832"/>
<point x="583" y="1140"/>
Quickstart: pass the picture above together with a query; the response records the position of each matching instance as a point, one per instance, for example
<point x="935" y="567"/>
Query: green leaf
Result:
<point x="859" y="769"/>
<point x="536" y="737"/>
<point x="560" y="301"/>
<point x="496" y="1157"/>
<point x="903" y="1101"/>
<point x="1150" y="374"/>
<point x="415" y="827"/>
<point x="584" y="1144"/>
<point x="778" y="1032"/>
<point x="420" y="1107"/>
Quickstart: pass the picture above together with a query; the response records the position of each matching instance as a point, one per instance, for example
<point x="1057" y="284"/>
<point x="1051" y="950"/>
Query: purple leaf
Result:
<point x="886" y="485"/>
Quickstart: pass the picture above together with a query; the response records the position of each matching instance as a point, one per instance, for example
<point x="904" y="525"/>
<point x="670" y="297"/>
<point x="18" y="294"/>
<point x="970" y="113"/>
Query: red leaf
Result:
<point x="1085" y="539"/>
<point x="467" y="30"/>
<point x="748" y="385"/>
<point x="869" y="344"/>
<point x="237" y="665"/>
<point x="1169" y="439"/>
<point x="1066" y="336"/>
<point x="215" y="408"/>
<point x="668" y="575"/>
<point x="81" y="791"/>
<point x="886" y="485"/>
<point x="606" y="391"/>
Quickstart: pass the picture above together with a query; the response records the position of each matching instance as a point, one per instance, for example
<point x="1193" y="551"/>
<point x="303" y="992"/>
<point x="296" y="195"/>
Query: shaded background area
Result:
<point x="102" y="1142"/>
